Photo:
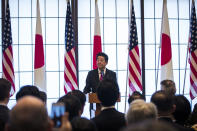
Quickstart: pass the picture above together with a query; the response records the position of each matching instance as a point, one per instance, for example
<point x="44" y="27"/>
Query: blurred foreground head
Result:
<point x="29" y="114"/>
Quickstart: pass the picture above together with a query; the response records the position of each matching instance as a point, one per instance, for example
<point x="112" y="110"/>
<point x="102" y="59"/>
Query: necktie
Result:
<point x="102" y="75"/>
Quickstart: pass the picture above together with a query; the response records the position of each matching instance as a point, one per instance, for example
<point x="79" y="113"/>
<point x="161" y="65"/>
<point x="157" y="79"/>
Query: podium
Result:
<point x="93" y="99"/>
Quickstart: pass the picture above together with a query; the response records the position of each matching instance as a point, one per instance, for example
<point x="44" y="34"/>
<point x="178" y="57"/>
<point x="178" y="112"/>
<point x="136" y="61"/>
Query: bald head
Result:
<point x="29" y="114"/>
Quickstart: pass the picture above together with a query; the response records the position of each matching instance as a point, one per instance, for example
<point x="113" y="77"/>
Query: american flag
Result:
<point x="193" y="53"/>
<point x="134" y="76"/>
<point x="7" y="62"/>
<point x="70" y="73"/>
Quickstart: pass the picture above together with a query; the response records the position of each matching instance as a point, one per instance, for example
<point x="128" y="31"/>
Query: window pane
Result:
<point x="84" y="8"/>
<point x="51" y="30"/>
<point x="149" y="9"/>
<point x="109" y="31"/>
<point x="85" y="58"/>
<point x="122" y="54"/>
<point x="122" y="27"/>
<point x="26" y="78"/>
<point x="25" y="24"/>
<point x="84" y="31"/>
<point x="52" y="84"/>
<point x="109" y="6"/>
<point x="122" y="8"/>
<point x="52" y="58"/>
<point x="24" y="8"/>
<point x="25" y="58"/>
<point x="51" y="8"/>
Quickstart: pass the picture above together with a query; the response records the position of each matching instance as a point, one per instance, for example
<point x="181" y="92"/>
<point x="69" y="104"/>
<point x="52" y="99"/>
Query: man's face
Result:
<point x="101" y="63"/>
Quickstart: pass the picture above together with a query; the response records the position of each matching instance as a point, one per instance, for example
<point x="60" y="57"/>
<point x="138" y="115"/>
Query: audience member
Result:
<point x="168" y="86"/>
<point x="150" y="126"/>
<point x="81" y="96"/>
<point x="29" y="114"/>
<point x="193" y="118"/>
<point x="28" y="90"/>
<point x="109" y="118"/>
<point x="135" y="95"/>
<point x="165" y="106"/>
<point x="72" y="105"/>
<point x="43" y="96"/>
<point x="183" y="109"/>
<point x="82" y="124"/>
<point x="5" y="87"/>
<point x="139" y="111"/>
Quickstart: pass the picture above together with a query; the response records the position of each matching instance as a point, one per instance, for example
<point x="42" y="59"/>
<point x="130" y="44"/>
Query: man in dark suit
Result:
<point x="109" y="118"/>
<point x="95" y="76"/>
<point x="5" y="87"/>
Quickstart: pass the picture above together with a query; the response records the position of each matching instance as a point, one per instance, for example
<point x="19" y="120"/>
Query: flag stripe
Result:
<point x="134" y="61"/>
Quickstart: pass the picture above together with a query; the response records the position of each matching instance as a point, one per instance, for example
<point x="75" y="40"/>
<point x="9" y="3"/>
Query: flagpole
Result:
<point x="185" y="69"/>
<point x="186" y="58"/>
<point x="127" y="58"/>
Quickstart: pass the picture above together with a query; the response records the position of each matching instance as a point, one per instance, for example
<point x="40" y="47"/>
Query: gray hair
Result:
<point x="139" y="110"/>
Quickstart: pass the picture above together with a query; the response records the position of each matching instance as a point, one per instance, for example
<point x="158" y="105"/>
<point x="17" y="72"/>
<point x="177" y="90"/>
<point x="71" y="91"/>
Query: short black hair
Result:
<point x="102" y="54"/>
<point x="108" y="92"/>
<point x="183" y="109"/>
<point x="163" y="101"/>
<point x="43" y="96"/>
<point x="135" y="95"/>
<point x="5" y="87"/>
<point x="28" y="90"/>
<point x="72" y="105"/>
<point x="80" y="95"/>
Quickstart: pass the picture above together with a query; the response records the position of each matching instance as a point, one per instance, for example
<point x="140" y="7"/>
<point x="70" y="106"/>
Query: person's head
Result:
<point x="43" y="96"/>
<point x="81" y="96"/>
<point x="72" y="105"/>
<point x="183" y="109"/>
<point x="107" y="92"/>
<point x="28" y="90"/>
<point x="150" y="126"/>
<point x="82" y="124"/>
<point x="168" y="86"/>
<point x="101" y="60"/>
<point x="139" y="111"/>
<point x="163" y="102"/>
<point x="135" y="95"/>
<point x="29" y="114"/>
<point x="5" y="87"/>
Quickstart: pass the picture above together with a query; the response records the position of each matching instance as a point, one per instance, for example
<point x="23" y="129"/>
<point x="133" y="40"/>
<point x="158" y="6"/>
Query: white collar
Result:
<point x="3" y="104"/>
<point x="109" y="107"/>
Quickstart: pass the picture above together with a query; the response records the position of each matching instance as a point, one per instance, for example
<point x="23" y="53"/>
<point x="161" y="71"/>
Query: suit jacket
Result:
<point x="92" y="80"/>
<point x="110" y="120"/>
<point x="176" y="126"/>
<point x="4" y="112"/>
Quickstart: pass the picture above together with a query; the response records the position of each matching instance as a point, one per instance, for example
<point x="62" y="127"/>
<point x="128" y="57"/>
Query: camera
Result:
<point x="57" y="112"/>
